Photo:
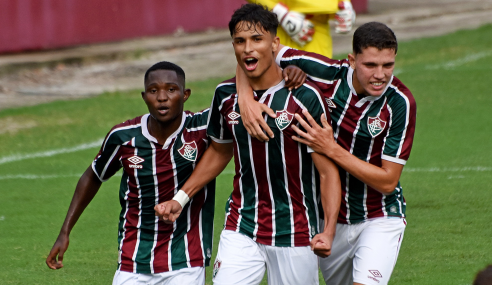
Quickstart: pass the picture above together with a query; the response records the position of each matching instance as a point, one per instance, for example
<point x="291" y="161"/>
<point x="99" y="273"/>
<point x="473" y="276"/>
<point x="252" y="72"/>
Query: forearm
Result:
<point x="211" y="164"/>
<point x="86" y="189"/>
<point x="244" y="90"/>
<point x="384" y="179"/>
<point x="330" y="192"/>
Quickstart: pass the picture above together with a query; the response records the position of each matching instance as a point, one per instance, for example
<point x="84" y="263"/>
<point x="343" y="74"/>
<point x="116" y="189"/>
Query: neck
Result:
<point x="161" y="131"/>
<point x="270" y="78"/>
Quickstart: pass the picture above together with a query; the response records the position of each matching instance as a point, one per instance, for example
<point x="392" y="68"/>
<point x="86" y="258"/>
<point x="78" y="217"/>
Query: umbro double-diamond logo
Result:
<point x="135" y="160"/>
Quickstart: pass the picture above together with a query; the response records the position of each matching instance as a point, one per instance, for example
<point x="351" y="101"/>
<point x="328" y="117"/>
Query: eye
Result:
<point x="153" y="90"/>
<point x="171" y="89"/>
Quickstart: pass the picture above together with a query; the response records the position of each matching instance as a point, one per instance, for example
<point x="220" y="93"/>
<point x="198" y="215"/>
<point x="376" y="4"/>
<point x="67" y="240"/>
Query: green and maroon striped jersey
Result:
<point x="371" y="128"/>
<point x="153" y="173"/>
<point x="276" y="186"/>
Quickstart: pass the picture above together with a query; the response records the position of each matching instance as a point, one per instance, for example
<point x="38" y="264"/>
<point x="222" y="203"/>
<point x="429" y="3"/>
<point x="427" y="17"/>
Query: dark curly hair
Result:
<point x="254" y="16"/>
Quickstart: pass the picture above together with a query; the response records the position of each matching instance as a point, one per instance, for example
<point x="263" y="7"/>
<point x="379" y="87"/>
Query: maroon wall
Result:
<point x="43" y="24"/>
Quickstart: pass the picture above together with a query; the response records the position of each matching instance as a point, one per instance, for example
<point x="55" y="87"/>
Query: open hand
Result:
<point x="320" y="139"/>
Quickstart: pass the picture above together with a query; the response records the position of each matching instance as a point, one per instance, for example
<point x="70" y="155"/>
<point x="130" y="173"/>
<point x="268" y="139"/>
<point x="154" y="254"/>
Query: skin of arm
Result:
<point x="86" y="189"/>
<point x="252" y="111"/>
<point x="213" y="161"/>
<point x="384" y="179"/>
<point x="330" y="199"/>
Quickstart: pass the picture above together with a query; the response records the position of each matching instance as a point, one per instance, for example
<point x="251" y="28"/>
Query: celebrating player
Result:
<point x="157" y="151"/>
<point x="371" y="134"/>
<point x="272" y="214"/>
<point x="304" y="24"/>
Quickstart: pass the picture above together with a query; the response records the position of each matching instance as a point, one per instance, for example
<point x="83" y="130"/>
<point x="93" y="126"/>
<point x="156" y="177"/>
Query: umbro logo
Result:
<point x="136" y="160"/>
<point x="375" y="274"/>
<point x="233" y="116"/>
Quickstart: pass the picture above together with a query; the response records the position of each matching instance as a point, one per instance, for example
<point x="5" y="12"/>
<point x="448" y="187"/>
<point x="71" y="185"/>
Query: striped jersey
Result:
<point x="152" y="174"/>
<point x="276" y="186"/>
<point x="370" y="128"/>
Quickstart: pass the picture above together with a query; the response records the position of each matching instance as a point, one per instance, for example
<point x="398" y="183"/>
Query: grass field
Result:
<point x="44" y="149"/>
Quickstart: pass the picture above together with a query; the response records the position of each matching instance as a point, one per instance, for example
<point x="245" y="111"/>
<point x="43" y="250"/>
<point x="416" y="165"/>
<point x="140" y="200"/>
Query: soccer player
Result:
<point x="304" y="24"/>
<point x="272" y="214"/>
<point x="157" y="151"/>
<point x="371" y="134"/>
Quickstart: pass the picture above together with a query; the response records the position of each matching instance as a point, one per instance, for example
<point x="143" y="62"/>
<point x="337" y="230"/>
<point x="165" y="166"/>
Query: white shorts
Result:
<point x="365" y="253"/>
<point x="240" y="260"/>
<point x="194" y="275"/>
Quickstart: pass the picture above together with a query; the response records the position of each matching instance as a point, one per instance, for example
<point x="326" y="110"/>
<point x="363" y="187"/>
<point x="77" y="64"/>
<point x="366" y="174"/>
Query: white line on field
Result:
<point x="448" y="169"/>
<point x="34" y="176"/>
<point x="460" y="61"/>
<point x="18" y="157"/>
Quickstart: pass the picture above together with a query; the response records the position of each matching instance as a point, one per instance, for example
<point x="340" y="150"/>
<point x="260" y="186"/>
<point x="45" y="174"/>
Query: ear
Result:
<point x="186" y="94"/>
<point x="143" y="95"/>
<point x="275" y="43"/>
<point x="351" y="58"/>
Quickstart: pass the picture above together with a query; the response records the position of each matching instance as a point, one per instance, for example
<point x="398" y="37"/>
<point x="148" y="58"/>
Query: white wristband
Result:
<point x="182" y="198"/>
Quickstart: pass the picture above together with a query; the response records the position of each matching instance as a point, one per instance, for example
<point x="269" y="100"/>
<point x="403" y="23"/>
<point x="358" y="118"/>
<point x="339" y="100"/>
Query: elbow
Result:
<point x="388" y="188"/>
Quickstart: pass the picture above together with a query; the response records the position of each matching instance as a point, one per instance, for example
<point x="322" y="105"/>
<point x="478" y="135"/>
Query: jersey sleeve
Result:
<point x="399" y="140"/>
<point x="322" y="70"/>
<point x="217" y="125"/>
<point x="310" y="99"/>
<point x="107" y="161"/>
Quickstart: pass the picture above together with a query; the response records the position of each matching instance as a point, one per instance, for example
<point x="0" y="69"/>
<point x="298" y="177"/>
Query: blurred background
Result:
<point x="62" y="49"/>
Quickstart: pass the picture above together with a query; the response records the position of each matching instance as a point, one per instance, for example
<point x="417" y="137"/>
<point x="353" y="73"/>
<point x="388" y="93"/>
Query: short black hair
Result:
<point x="484" y="277"/>
<point x="254" y="15"/>
<point x="374" y="34"/>
<point x="166" y="65"/>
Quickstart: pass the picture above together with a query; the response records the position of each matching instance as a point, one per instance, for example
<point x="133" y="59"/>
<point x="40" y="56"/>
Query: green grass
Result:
<point x="448" y="236"/>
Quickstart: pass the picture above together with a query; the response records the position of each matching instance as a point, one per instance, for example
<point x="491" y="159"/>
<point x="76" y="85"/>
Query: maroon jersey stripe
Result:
<point x="166" y="193"/>
<point x="265" y="232"/>
<point x="195" y="250"/>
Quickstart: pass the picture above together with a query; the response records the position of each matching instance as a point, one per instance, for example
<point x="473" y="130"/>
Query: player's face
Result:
<point x="165" y="96"/>
<point x="254" y="48"/>
<point x="372" y="70"/>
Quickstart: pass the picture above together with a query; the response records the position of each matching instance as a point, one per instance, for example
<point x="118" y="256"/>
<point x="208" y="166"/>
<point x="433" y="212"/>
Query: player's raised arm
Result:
<point x="330" y="192"/>
<point x="212" y="163"/>
<point x="85" y="191"/>
<point x="384" y="179"/>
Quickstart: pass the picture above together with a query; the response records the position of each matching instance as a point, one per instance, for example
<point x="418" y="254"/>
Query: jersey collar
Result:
<point x="365" y="99"/>
<point x="147" y="135"/>
<point x="271" y="91"/>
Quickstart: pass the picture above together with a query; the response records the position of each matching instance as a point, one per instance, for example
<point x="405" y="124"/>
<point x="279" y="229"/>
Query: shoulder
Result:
<point x="120" y="133"/>
<point x="308" y="91"/>
<point x="198" y="119"/>
<point x="400" y="95"/>
<point x="227" y="86"/>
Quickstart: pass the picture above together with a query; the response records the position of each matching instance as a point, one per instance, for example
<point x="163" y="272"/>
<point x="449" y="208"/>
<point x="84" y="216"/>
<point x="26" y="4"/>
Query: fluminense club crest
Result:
<point x="189" y="151"/>
<point x="283" y="119"/>
<point x="375" y="126"/>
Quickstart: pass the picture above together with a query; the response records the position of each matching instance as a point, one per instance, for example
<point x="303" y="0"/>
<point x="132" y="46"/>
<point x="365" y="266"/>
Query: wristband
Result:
<point x="182" y="198"/>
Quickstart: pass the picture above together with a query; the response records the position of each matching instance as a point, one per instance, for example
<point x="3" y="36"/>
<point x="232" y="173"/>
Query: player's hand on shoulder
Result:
<point x="168" y="211"/>
<point x="295" y="24"/>
<point x="55" y="257"/>
<point x="294" y="77"/>
<point x="344" y="18"/>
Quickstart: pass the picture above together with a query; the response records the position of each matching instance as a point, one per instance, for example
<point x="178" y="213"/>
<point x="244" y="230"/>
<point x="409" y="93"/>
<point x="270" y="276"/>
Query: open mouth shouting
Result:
<point x="162" y="110"/>
<point x="251" y="63"/>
